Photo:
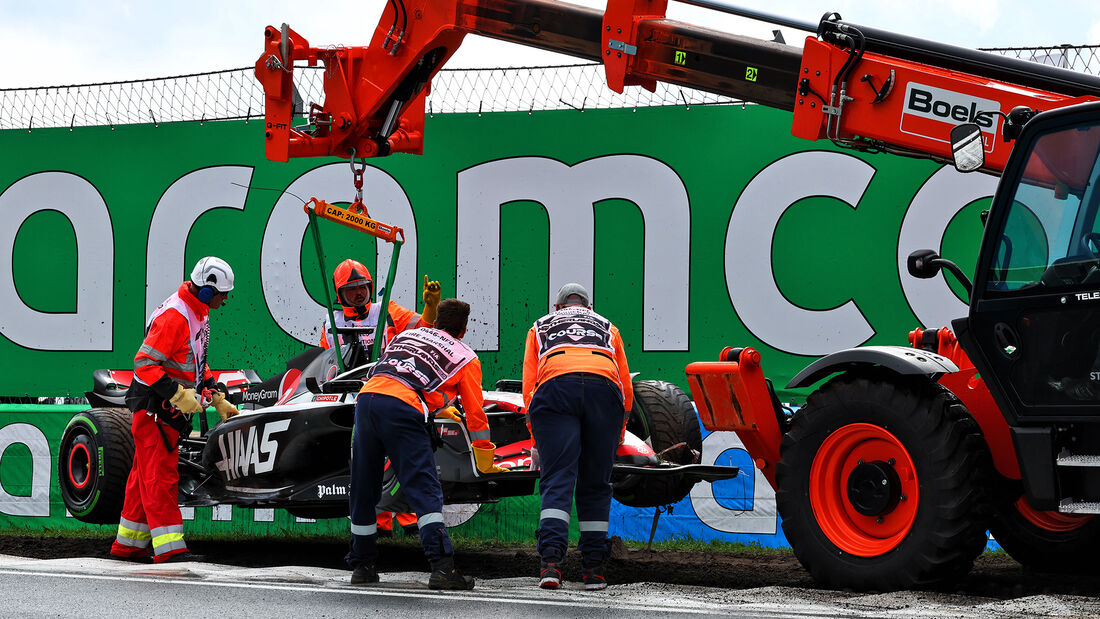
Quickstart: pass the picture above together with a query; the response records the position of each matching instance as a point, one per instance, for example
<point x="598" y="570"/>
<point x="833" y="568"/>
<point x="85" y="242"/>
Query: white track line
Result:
<point x="373" y="591"/>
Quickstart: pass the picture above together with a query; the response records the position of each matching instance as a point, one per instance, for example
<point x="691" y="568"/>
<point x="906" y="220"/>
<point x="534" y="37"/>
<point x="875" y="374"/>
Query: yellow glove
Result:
<point x="224" y="408"/>
<point x="431" y="301"/>
<point x="483" y="456"/>
<point x="185" y="400"/>
<point x="449" y="413"/>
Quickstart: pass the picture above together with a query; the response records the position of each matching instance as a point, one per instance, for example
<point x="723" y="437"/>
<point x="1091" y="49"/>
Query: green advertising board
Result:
<point x="695" y="229"/>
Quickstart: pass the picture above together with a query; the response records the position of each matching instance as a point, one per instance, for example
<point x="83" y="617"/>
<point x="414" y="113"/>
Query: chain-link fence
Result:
<point x="235" y="94"/>
<point x="1083" y="58"/>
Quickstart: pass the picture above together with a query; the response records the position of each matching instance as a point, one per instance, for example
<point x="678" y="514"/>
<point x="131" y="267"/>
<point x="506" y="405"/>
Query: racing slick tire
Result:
<point x="94" y="460"/>
<point x="884" y="484"/>
<point x="664" y="417"/>
<point x="1045" y="541"/>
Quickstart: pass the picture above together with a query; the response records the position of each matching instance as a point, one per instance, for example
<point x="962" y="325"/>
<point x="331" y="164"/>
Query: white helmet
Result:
<point x="215" y="272"/>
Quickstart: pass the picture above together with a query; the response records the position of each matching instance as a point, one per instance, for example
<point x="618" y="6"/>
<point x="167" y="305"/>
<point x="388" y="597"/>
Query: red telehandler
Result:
<point x="897" y="465"/>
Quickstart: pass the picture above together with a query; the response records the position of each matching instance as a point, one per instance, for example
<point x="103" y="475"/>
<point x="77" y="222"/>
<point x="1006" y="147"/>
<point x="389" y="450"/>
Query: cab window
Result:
<point x="1051" y="237"/>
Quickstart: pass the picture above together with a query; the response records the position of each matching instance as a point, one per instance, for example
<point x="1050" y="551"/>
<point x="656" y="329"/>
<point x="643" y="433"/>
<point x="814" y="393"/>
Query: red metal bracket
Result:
<point x="374" y="95"/>
<point x="275" y="70"/>
<point x="733" y="395"/>
<point x="619" y="40"/>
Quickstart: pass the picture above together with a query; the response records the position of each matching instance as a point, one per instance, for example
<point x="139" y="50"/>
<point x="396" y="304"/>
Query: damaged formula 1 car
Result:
<point x="295" y="454"/>
<point x="290" y="446"/>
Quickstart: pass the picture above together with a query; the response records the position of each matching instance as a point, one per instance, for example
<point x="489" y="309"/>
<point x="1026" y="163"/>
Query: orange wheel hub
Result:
<point x="864" y="490"/>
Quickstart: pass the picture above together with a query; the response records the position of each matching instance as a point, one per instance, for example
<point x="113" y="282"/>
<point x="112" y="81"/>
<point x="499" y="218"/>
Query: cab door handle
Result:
<point x="1007" y="340"/>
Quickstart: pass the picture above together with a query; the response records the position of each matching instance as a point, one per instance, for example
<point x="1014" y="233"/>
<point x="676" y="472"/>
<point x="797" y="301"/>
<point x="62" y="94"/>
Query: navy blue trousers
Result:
<point x="576" y="420"/>
<point x="385" y="426"/>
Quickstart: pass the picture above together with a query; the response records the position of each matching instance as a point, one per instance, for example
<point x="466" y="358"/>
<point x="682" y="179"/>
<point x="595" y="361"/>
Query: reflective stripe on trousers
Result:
<point x="167" y="539"/>
<point x="364" y="529"/>
<point x="431" y="518"/>
<point x="592" y="525"/>
<point x="134" y="534"/>
<point x="554" y="513"/>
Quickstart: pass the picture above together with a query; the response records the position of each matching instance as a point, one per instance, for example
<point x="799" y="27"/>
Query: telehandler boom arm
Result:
<point x="860" y="87"/>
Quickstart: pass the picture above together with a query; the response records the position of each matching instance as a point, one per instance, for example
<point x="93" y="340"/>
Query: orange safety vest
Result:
<point x="398" y="319"/>
<point x="177" y="337"/>
<point x="571" y="340"/>
<point x="437" y="365"/>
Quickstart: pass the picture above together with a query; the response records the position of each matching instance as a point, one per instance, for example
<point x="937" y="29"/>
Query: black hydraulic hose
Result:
<point x="778" y="20"/>
<point x="855" y="54"/>
<point x="966" y="60"/>
<point x="396" y="12"/>
<point x="993" y="66"/>
<point x="851" y="38"/>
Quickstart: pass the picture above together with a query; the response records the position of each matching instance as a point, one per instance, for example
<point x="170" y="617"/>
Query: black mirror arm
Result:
<point x="957" y="272"/>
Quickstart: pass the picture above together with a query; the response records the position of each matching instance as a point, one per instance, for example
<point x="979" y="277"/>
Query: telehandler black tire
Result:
<point x="884" y="484"/>
<point x="1042" y="540"/>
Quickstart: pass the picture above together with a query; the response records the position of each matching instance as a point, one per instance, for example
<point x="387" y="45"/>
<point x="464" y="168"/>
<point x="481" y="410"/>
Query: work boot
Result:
<point x="139" y="558"/>
<point x="364" y="574"/>
<point x="184" y="557"/>
<point x="594" y="579"/>
<point x="445" y="576"/>
<point x="549" y="574"/>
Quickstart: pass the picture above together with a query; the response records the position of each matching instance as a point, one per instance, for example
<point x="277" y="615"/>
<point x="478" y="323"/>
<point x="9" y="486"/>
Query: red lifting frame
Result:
<point x="355" y="216"/>
<point x="733" y="396"/>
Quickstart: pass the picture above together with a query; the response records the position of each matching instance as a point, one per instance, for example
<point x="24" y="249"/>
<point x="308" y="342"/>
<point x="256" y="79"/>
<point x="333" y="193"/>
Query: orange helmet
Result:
<point x="351" y="273"/>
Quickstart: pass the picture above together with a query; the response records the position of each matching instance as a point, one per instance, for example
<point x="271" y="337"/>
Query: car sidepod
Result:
<point x="290" y="456"/>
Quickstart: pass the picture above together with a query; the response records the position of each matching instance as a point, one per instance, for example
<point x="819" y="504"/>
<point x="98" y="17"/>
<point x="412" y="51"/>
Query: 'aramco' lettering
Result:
<point x="35" y="477"/>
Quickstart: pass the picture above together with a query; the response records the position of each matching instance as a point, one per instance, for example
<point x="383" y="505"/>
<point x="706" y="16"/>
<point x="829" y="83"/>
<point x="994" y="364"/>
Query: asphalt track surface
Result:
<point x="97" y="587"/>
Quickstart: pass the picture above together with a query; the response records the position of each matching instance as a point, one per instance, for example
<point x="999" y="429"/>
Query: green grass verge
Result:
<point x="75" y="533"/>
<point x="692" y="545"/>
<point x="686" y="545"/>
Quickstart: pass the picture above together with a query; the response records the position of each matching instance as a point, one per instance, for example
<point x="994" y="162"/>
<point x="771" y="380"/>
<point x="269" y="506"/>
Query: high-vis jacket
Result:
<point x="426" y="368"/>
<point x="398" y="320"/>
<point x="574" y="339"/>
<point x="176" y="340"/>
<point x="173" y="353"/>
